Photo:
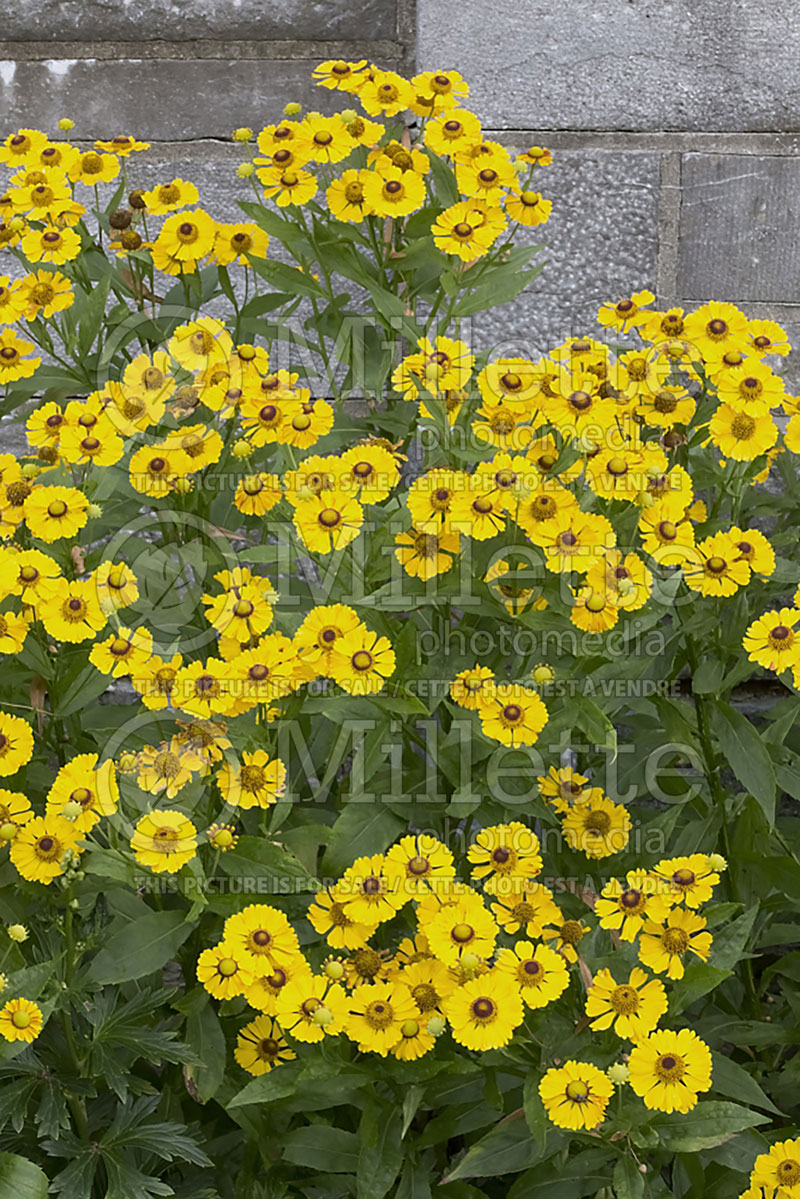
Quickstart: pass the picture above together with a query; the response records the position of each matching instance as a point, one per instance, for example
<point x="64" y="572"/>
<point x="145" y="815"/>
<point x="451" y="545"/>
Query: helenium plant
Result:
<point x="389" y="806"/>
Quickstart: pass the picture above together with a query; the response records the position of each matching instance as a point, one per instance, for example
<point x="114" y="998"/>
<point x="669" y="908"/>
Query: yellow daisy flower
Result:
<point x="632" y="1009"/>
<point x="669" y="1069"/>
<point x="539" y="972"/>
<point x="576" y="1095"/>
<point x="164" y="840"/>
<point x="40" y="846"/>
<point x="662" y="947"/>
<point x="20" y="1020"/>
<point x="485" y="1011"/>
<point x="261" y="1045"/>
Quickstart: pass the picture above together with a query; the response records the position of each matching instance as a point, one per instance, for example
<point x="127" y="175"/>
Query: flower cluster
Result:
<point x="452" y="968"/>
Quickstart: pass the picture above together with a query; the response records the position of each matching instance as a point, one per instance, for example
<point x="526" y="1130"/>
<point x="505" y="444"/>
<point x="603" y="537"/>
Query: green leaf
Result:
<point x="21" y="1179"/>
<point x="712" y="1123"/>
<point x="535" y="1115"/>
<point x="508" y="1148"/>
<point x="729" y="944"/>
<point x="205" y="1036"/>
<point x="322" y="1148"/>
<point x="140" y="948"/>
<point x="707" y="679"/>
<point x="731" y="1079"/>
<point x="80" y="689"/>
<point x="287" y="279"/>
<point x="380" y="1155"/>
<point x="628" y="1179"/>
<point x="747" y="755"/>
<point x="277" y="1084"/>
<point x="361" y="829"/>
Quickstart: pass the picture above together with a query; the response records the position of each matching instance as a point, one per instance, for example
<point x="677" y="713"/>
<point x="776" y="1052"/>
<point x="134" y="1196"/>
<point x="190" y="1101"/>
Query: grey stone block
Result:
<point x="600" y="243"/>
<point x="141" y="20"/>
<point x="160" y="99"/>
<point x="620" y="64"/>
<point x="738" y="228"/>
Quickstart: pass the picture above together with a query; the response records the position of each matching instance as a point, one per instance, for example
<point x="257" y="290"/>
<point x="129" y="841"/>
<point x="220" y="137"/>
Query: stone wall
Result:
<point x="675" y="124"/>
<point x="676" y="129"/>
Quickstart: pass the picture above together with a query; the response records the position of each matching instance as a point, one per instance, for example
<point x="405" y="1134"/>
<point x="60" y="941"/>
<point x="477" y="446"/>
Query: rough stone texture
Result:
<point x="600" y="242"/>
<point x="159" y="99"/>
<point x="739" y="217"/>
<point x="621" y="64"/>
<point x="70" y="20"/>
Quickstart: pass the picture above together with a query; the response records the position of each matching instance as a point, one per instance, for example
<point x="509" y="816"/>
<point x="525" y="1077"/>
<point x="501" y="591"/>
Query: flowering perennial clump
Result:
<point x="373" y="722"/>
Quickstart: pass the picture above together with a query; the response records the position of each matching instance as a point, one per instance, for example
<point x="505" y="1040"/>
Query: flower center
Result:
<point x="675" y="941"/>
<point x="577" y="1092"/>
<point x="670" y="1067"/>
<point x="462" y="934"/>
<point x="625" y="1000"/>
<point x="379" y="1015"/>
<point x="483" y="1009"/>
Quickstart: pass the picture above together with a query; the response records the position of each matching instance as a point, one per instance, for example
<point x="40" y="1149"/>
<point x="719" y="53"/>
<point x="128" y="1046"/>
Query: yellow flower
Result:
<point x="184" y="238"/>
<point x="328" y="916"/>
<point x="528" y="910"/>
<point x="668" y="1069"/>
<point x="369" y="893"/>
<point x="91" y="786"/>
<point x="467" y="229"/>
<point x="633" y="1008"/>
<point x="261" y="938"/>
<point x="202" y="688"/>
<point x="563" y="788"/>
<point x="376" y="1015"/>
<point x="597" y="828"/>
<point x="506" y="856"/>
<point x="44" y="293"/>
<point x="235" y="242"/>
<point x="222" y="836"/>
<point x="688" y="880"/>
<point x="264" y="990"/>
<point x="773" y="640"/>
<point x="336" y="74"/>
<point x="754" y="549"/>
<point x="473" y="688"/>
<point x="55" y="512"/>
<point x="415" y="1041"/>
<point x="539" y="972"/>
<point x="361" y="662"/>
<point x="751" y="388"/>
<point x="92" y="168"/>
<point x="430" y="983"/>
<point x="116" y="585"/>
<point x="312" y="1007"/>
<point x="528" y="207"/>
<point x="122" y="145"/>
<point x="20" y="1020"/>
<point x="626" y="313"/>
<point x="51" y="245"/>
<point x="123" y="652"/>
<point x="778" y="1168"/>
<point x="740" y="435"/>
<point x="261" y="1045"/>
<point x="255" y="782"/>
<point x="16" y="743"/>
<point x="13" y="631"/>
<point x="453" y="132"/>
<point x="40" y="846"/>
<point x="715" y="328"/>
<point x="426" y="552"/>
<point x="221" y="974"/>
<point x="155" y="680"/>
<point x="371" y="470"/>
<point x="625" y="910"/>
<point x="385" y="93"/>
<point x="715" y="567"/>
<point x="71" y="612"/>
<point x="662" y="947"/>
<point x="168" y="197"/>
<point x="164" y="840"/>
<point x="463" y="927"/>
<point x="153" y="469"/>
<point x="514" y="716"/>
<point x="329" y="521"/>
<point x="288" y="186"/>
<point x="13" y="361"/>
<point x="15" y="810"/>
<point x="18" y="147"/>
<point x="485" y="1011"/>
<point x="576" y="1095"/>
<point x="391" y="192"/>
<point x="166" y="769"/>
<point x="80" y="446"/>
<point x="418" y="865"/>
